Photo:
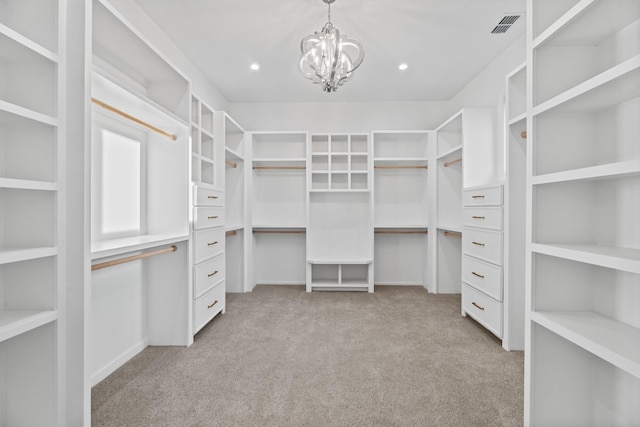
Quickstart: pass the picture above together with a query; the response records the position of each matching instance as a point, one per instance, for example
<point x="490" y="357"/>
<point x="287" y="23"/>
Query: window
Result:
<point x="118" y="183"/>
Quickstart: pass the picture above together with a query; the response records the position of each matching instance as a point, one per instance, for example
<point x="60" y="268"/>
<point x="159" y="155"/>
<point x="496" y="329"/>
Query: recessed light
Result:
<point x="255" y="66"/>
<point x="403" y="66"/>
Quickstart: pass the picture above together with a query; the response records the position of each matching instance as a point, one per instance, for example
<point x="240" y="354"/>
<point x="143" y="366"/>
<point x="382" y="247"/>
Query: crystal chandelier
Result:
<point x="329" y="58"/>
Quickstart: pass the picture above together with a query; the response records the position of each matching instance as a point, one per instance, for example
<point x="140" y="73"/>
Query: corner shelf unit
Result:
<point x="583" y="257"/>
<point x="515" y="209"/>
<point x="31" y="266"/>
<point x="236" y="176"/>
<point x="448" y="187"/>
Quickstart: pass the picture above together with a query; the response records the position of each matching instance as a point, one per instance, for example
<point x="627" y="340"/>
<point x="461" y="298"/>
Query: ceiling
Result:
<point x="444" y="42"/>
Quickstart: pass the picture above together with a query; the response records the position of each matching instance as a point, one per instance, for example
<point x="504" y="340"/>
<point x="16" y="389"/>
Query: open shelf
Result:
<point x="17" y="322"/>
<point x="606" y="338"/>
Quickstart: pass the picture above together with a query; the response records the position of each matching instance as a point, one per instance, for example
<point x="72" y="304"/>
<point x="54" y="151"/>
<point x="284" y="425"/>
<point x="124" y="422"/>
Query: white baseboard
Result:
<point x="110" y="367"/>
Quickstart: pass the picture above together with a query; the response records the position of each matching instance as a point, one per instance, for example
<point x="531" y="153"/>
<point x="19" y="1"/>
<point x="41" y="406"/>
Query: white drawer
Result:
<point x="207" y="197"/>
<point x="486" y="310"/>
<point x="207" y="217"/>
<point x="487" y="217"/>
<point x="483" y="244"/>
<point x="208" y="243"/>
<point x="482" y="276"/>
<point x="207" y="306"/>
<point x="485" y="196"/>
<point x="207" y="274"/>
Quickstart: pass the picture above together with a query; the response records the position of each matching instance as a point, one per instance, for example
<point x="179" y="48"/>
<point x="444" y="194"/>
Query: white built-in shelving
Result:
<point x="401" y="206"/>
<point x="32" y="197"/>
<point x="236" y="176"/>
<point x="515" y="209"/>
<point x="278" y="194"/>
<point x="204" y="164"/>
<point x="583" y="260"/>
<point x="448" y="177"/>
<point x="340" y="213"/>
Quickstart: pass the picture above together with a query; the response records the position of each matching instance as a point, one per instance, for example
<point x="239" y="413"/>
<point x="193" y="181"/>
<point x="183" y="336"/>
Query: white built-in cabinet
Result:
<point x="148" y="300"/>
<point x="236" y="175"/>
<point x="278" y="195"/>
<point x="32" y="195"/>
<point x="208" y="217"/>
<point x="340" y="212"/>
<point x="582" y="355"/>
<point x="401" y="206"/>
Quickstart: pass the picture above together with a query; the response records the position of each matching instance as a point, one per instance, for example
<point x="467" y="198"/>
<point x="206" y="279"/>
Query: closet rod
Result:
<point x="452" y="162"/>
<point x="119" y="261"/>
<point x="401" y="167"/>
<point x="453" y="234"/>
<point x="133" y="119"/>
<point x="402" y="232"/>
<point x="231" y="233"/>
<point x="280" y="231"/>
<point x="233" y="165"/>
<point x="523" y="134"/>
<point x="279" y="167"/>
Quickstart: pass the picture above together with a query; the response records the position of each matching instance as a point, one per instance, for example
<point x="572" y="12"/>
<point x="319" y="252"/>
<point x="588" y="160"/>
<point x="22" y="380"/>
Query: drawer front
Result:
<point x="207" y="217"/>
<point x="487" y="196"/>
<point x="489" y="218"/>
<point x="207" y="274"/>
<point x="207" y="306"/>
<point x="208" y="197"/>
<point x="486" y="310"/>
<point x="482" y="276"/>
<point x="208" y="243"/>
<point x="483" y="244"/>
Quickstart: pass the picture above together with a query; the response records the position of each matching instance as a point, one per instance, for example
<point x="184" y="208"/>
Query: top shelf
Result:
<point x="36" y="20"/>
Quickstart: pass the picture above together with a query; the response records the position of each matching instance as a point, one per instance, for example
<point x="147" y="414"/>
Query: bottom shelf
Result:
<point x="16" y="322"/>
<point x="28" y="364"/>
<point x="349" y="275"/>
<point x="613" y="341"/>
<point x="572" y="386"/>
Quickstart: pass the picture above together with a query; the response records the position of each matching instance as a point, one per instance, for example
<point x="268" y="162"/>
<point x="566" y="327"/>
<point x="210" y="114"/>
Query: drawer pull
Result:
<point x="213" y="217"/>
<point x="212" y="197"/>
<point x="216" y="301"/>
<point x="478" y="197"/>
<point x="215" y="243"/>
<point x="478" y="275"/>
<point x="477" y="306"/>
<point x="216" y="272"/>
<point x="477" y="217"/>
<point x="478" y="244"/>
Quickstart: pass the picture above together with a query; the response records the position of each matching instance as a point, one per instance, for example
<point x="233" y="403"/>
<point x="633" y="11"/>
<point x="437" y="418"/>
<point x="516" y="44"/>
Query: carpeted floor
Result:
<point x="283" y="357"/>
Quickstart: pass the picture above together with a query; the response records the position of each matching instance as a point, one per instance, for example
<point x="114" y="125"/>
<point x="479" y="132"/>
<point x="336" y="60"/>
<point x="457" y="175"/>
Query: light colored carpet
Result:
<point x="283" y="357"/>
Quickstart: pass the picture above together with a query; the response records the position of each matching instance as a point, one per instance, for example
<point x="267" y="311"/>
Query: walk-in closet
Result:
<point x="225" y="213"/>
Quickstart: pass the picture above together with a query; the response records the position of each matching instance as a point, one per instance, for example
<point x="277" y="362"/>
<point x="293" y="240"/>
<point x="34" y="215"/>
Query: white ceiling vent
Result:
<point x="505" y="23"/>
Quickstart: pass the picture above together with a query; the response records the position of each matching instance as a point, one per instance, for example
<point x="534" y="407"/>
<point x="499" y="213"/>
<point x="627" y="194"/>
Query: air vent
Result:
<point x="504" y="24"/>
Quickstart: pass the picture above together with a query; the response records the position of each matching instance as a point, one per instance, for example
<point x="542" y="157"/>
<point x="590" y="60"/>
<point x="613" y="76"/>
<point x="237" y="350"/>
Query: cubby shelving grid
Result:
<point x="340" y="162"/>
<point x="583" y="257"/>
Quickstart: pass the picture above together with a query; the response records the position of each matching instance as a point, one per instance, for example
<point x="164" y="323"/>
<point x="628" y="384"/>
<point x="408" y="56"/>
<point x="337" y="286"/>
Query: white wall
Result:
<point x="200" y="85"/>
<point x="339" y="116"/>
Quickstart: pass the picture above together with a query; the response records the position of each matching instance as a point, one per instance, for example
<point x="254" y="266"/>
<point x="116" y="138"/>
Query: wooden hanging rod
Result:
<point x="280" y="231"/>
<point x="233" y="165"/>
<point x="523" y="134"/>
<point x="119" y="261"/>
<point x="133" y="119"/>
<point x="452" y="162"/>
<point x="453" y="234"/>
<point x="280" y="167"/>
<point x="400" y="167"/>
<point x="402" y="231"/>
<point x="231" y="233"/>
